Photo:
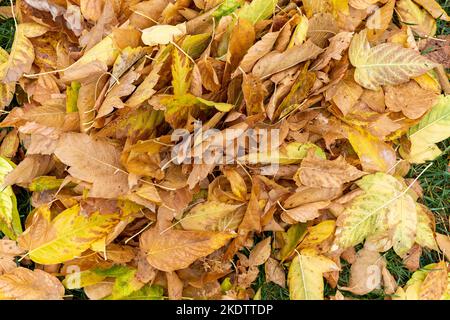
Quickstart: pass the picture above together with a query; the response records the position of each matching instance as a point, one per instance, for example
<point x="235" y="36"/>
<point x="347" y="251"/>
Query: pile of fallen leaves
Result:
<point x="111" y="95"/>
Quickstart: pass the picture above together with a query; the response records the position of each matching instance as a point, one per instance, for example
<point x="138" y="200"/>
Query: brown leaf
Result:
<point x="31" y="167"/>
<point x="258" y="50"/>
<point x="176" y="249"/>
<point x="412" y="258"/>
<point x="275" y="272"/>
<point x="242" y="38"/>
<point x="365" y="272"/>
<point x="260" y="253"/>
<point x="306" y="212"/>
<point x="399" y="98"/>
<point x="8" y="251"/>
<point x="174" y="286"/>
<point x="85" y="155"/>
<point x="24" y="284"/>
<point x="435" y="283"/>
<point x="275" y="62"/>
<point x="318" y="173"/>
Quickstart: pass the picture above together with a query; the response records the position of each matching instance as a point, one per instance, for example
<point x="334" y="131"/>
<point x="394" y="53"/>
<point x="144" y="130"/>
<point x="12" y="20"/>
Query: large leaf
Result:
<point x="176" y="249"/>
<point x="384" y="206"/>
<point x="65" y="237"/>
<point x="385" y="64"/>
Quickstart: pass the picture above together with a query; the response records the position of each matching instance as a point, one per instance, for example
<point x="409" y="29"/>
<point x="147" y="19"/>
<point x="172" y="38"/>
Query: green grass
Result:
<point x="6" y="30"/>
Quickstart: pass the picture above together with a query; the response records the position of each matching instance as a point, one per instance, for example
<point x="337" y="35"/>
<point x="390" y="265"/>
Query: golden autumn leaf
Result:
<point x="177" y="249"/>
<point x="385" y="64"/>
<point x="22" y="52"/>
<point x="66" y="236"/>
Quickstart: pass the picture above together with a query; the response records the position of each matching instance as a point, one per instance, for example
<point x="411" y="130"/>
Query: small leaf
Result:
<point x="257" y="10"/>
<point x="212" y="216"/>
<point x="162" y="34"/>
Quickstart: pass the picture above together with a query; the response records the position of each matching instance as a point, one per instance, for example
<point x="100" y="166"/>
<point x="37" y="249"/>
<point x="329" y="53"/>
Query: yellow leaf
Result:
<point x="77" y="280"/>
<point x="10" y="223"/>
<point x="177" y="249"/>
<point x="379" y="21"/>
<point x="384" y="206"/>
<point x="66" y="236"/>
<point x="318" y="234"/>
<point x="385" y="64"/>
<point x="180" y="73"/>
<point x="72" y="96"/>
<point x="257" y="10"/>
<point x="418" y="19"/>
<point x="212" y="216"/>
<point x="374" y="154"/>
<point x="434" y="9"/>
<point x="300" y="32"/>
<point x="305" y="277"/>
<point x="434" y="285"/>
<point x="425" y="234"/>
<point x="433" y="128"/>
<point x="238" y="185"/>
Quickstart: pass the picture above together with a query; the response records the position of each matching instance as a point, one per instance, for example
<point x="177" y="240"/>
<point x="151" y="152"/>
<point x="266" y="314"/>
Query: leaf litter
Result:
<point x="184" y="149"/>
